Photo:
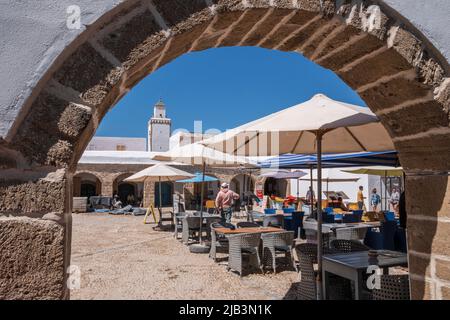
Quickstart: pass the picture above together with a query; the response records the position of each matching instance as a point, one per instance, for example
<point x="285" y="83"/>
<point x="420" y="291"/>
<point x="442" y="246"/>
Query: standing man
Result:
<point x="310" y="196"/>
<point x="224" y="202"/>
<point x="360" y="198"/>
<point x="375" y="200"/>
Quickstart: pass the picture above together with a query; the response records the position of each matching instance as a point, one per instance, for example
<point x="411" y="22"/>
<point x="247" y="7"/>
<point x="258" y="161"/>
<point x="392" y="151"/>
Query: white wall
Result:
<point x="111" y="143"/>
<point x="349" y="188"/>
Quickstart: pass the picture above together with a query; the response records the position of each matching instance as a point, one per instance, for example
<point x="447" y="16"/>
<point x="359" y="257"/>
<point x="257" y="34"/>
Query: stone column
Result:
<point x="76" y="186"/>
<point x="107" y="188"/>
<point x="35" y="229"/>
<point x="149" y="193"/>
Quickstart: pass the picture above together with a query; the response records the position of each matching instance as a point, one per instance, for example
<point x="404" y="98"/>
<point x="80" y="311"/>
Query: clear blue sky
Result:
<point x="224" y="88"/>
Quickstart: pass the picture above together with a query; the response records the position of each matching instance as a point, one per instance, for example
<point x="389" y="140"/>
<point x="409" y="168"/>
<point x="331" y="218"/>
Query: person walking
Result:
<point x="360" y="198"/>
<point x="224" y="202"/>
<point x="395" y="199"/>
<point x="375" y="200"/>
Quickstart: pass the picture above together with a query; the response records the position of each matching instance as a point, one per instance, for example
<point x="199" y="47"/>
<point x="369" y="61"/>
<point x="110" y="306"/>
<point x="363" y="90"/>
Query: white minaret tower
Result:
<point x="159" y="129"/>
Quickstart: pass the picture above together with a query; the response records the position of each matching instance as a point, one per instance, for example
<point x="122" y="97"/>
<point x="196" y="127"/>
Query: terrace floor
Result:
<point x="121" y="258"/>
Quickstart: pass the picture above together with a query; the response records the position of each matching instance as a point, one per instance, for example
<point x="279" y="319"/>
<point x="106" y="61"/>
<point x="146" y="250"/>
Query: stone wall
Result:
<point x="399" y="72"/>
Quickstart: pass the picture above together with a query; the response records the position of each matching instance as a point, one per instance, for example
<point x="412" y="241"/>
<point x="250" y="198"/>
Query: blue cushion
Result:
<point x="288" y="210"/>
<point x="389" y="216"/>
<point x="270" y="211"/>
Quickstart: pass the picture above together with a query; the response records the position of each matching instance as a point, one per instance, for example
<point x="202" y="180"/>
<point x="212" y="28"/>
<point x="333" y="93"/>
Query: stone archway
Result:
<point x="394" y="68"/>
<point x="86" y="184"/>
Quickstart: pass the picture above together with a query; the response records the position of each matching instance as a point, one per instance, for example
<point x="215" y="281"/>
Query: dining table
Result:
<point x="227" y="231"/>
<point x="354" y="265"/>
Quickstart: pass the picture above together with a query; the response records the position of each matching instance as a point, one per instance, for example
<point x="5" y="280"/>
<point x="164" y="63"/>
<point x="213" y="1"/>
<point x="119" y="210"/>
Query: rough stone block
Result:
<point x="387" y="63"/>
<point x="301" y="37"/>
<point x="243" y="27"/>
<point x="265" y="28"/>
<point x="404" y="121"/>
<point x="419" y="265"/>
<point x="175" y="11"/>
<point x="422" y="290"/>
<point x="355" y="51"/>
<point x="336" y="42"/>
<point x="134" y="39"/>
<point x="299" y="19"/>
<point x="52" y="123"/>
<point x="89" y="73"/>
<point x="182" y="43"/>
<point x="217" y="29"/>
<point x="34" y="196"/>
<point x="394" y="92"/>
<point x="443" y="269"/>
<point x="429" y="153"/>
<point x="32" y="259"/>
<point x="428" y="236"/>
<point x="435" y="202"/>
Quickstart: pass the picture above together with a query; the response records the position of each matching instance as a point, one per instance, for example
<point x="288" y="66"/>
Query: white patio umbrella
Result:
<point x="198" y="154"/>
<point x="160" y="172"/>
<point x="381" y="171"/>
<point x="317" y="125"/>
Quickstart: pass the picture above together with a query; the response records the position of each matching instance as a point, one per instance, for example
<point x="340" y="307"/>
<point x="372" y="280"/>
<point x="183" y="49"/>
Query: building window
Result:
<point x="121" y="147"/>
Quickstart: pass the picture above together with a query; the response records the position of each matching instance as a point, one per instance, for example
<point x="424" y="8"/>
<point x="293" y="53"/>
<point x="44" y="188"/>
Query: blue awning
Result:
<point x="359" y="159"/>
<point x="198" y="178"/>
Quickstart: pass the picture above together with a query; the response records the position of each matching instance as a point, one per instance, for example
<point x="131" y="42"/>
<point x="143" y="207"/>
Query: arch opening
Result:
<point x="393" y="70"/>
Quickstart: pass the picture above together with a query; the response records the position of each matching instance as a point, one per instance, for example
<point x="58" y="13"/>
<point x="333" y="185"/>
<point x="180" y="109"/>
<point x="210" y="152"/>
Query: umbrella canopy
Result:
<point x="198" y="154"/>
<point x="315" y="126"/>
<point x="343" y="127"/>
<point x="160" y="172"/>
<point x="332" y="175"/>
<point x="199" y="178"/>
<point x="358" y="159"/>
<point x="284" y="174"/>
<point x="379" y="171"/>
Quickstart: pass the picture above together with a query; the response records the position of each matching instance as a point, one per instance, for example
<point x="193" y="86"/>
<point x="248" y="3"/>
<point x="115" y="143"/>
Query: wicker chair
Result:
<point x="311" y="236"/>
<point x="307" y="254"/>
<point x="178" y="223"/>
<point x="341" y="245"/>
<point x="392" y="287"/>
<point x="219" y="243"/>
<point x="240" y="245"/>
<point x="277" y="241"/>
<point x="191" y="226"/>
<point x="246" y="224"/>
<point x="351" y="233"/>
<point x="274" y="221"/>
<point x="209" y="222"/>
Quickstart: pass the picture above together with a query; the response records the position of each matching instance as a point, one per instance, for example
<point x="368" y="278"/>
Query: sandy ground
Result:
<point x="121" y="258"/>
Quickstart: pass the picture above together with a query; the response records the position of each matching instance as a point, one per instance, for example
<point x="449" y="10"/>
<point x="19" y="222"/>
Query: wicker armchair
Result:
<point x="351" y="233"/>
<point x="307" y="254"/>
<point x="274" y="221"/>
<point x="392" y="287"/>
<point x="341" y="245"/>
<point x="219" y="243"/>
<point x="311" y="236"/>
<point x="246" y="224"/>
<point x="243" y="244"/>
<point x="277" y="242"/>
<point x="191" y="226"/>
<point x="209" y="222"/>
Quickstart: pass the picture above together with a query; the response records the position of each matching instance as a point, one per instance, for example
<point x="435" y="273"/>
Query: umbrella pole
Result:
<point x="311" y="198"/>
<point x="319" y="215"/>
<point x="385" y="191"/>
<point x="160" y="201"/>
<point x="201" y="202"/>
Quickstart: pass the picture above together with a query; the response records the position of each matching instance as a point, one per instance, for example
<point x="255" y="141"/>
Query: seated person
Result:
<point x="341" y="204"/>
<point x="116" y="203"/>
